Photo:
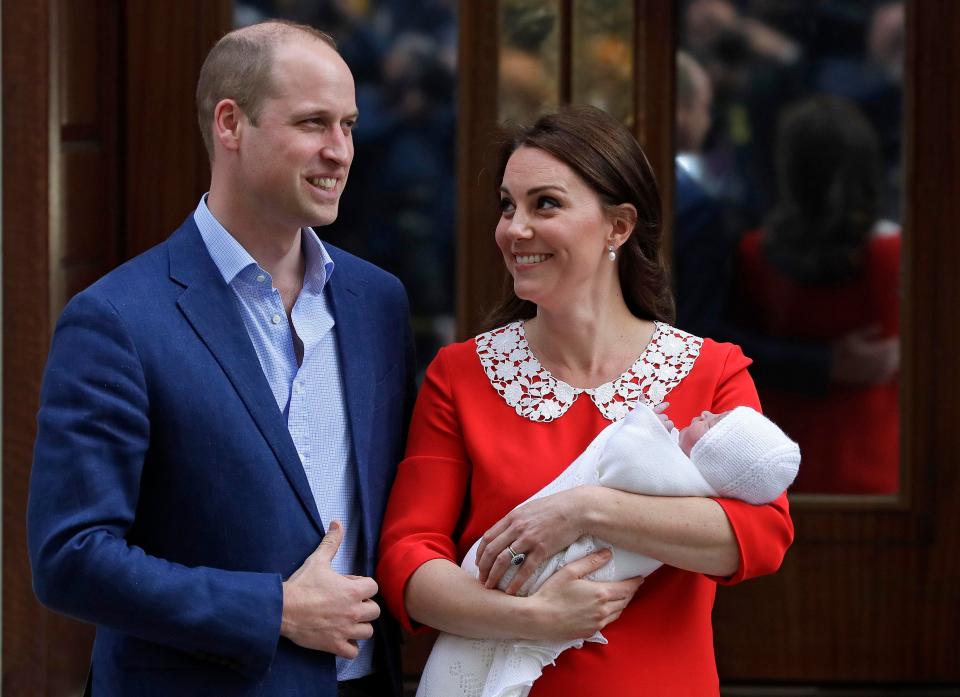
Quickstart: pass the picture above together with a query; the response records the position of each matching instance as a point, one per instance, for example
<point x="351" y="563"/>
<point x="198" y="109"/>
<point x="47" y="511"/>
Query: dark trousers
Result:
<point x="375" y="685"/>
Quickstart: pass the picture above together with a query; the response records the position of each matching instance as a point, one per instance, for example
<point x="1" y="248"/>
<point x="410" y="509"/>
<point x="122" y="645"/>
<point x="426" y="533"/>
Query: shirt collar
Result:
<point x="231" y="258"/>
<point x="319" y="264"/>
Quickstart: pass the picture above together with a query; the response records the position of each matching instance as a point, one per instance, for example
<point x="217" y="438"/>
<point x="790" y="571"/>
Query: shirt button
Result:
<point x="261" y="278"/>
<point x="276" y="319"/>
<point x="297" y="387"/>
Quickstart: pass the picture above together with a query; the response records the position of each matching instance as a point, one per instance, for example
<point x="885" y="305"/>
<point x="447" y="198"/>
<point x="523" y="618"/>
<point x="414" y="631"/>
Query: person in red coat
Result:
<point x="581" y="339"/>
<point x="826" y="270"/>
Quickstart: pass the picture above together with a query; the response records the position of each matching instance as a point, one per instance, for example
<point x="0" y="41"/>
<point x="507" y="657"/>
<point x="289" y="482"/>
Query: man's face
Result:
<point x="294" y="163"/>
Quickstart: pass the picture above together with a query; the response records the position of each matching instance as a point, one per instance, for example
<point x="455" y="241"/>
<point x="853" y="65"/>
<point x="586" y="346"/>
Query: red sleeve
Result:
<point x="428" y="494"/>
<point x="765" y="532"/>
<point x="885" y="283"/>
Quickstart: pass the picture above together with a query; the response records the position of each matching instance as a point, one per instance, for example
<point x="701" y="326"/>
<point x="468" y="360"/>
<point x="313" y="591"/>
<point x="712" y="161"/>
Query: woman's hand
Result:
<point x="569" y="607"/>
<point x="539" y="529"/>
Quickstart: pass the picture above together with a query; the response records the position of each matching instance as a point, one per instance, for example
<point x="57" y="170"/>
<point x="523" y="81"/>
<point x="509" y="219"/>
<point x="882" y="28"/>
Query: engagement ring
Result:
<point x="516" y="558"/>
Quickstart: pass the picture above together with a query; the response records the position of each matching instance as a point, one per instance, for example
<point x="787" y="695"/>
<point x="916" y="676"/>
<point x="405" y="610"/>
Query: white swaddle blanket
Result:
<point x="635" y="454"/>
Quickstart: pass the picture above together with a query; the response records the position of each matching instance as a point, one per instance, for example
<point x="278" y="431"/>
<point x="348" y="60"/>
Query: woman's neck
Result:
<point x="586" y="348"/>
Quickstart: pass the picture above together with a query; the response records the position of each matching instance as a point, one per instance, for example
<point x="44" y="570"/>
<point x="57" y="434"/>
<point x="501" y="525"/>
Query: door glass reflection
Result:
<point x="602" y="61"/>
<point x="787" y="209"/>
<point x="529" y="61"/>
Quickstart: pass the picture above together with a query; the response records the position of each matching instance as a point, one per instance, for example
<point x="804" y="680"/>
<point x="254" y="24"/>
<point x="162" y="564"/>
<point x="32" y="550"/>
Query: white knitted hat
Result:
<point x="746" y="456"/>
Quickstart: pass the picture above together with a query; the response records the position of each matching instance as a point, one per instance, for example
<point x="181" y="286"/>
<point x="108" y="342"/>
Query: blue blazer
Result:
<point x="167" y="499"/>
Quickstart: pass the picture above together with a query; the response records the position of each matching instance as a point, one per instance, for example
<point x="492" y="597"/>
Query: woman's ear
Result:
<point x="624" y="219"/>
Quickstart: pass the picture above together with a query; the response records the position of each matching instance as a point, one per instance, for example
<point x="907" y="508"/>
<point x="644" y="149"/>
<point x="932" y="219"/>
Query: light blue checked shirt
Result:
<point x="310" y="395"/>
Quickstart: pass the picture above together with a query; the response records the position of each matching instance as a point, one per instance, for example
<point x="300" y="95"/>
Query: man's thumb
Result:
<point x="330" y="543"/>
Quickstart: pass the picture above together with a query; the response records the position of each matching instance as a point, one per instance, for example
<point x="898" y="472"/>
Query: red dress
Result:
<point x="849" y="437"/>
<point x="482" y="441"/>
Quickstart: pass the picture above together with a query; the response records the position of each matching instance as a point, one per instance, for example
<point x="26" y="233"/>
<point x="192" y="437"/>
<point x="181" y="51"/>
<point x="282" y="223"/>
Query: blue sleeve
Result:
<point x="93" y="440"/>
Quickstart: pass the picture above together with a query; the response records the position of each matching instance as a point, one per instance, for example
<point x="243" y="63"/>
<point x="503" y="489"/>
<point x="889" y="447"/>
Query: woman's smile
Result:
<point x="530" y="259"/>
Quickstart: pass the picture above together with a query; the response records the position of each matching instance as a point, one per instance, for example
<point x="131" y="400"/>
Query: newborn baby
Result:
<point x="736" y="454"/>
<point x="689" y="436"/>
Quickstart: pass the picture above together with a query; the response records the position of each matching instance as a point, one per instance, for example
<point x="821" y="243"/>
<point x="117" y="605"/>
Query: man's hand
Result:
<point x="324" y="610"/>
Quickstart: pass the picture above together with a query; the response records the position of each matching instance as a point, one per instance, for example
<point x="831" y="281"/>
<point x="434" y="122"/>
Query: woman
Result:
<point x="579" y="341"/>
<point x="826" y="256"/>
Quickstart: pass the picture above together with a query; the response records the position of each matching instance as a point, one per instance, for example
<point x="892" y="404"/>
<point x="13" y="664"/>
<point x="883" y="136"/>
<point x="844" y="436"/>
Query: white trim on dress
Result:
<point x="535" y="394"/>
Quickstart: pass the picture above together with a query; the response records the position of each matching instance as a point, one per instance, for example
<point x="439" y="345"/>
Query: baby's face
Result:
<point x="694" y="432"/>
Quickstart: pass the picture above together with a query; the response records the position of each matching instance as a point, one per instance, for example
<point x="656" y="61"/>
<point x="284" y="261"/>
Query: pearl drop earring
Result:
<point x="611" y="255"/>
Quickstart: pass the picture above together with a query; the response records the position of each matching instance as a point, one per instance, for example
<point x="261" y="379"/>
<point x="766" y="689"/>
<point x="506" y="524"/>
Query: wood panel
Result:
<point x="87" y="200"/>
<point x="653" y="55"/>
<point x="166" y="168"/>
<point x="26" y="107"/>
<point x="480" y="271"/>
<point x="869" y="592"/>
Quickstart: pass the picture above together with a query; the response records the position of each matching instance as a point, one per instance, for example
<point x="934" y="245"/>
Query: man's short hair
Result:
<point x="238" y="67"/>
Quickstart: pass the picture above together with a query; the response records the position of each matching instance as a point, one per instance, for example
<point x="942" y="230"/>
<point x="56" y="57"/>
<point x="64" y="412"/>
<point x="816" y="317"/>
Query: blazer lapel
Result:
<point x="208" y="304"/>
<point x="354" y="346"/>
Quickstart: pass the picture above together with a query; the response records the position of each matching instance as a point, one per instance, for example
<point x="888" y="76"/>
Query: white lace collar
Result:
<point x="535" y="394"/>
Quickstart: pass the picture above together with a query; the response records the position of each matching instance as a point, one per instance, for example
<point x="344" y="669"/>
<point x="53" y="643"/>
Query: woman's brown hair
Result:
<point x="830" y="177"/>
<point x="603" y="153"/>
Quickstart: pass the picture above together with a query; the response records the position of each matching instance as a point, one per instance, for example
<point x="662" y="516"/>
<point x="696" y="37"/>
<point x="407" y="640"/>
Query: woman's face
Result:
<point x="553" y="231"/>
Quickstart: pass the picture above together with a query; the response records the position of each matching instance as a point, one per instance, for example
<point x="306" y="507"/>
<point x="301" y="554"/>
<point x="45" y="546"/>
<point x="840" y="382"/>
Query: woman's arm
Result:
<point x="442" y="595"/>
<point x="689" y="533"/>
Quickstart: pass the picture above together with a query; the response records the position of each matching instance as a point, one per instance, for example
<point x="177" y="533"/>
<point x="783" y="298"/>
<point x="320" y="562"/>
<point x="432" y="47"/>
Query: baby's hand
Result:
<point x="660" y="411"/>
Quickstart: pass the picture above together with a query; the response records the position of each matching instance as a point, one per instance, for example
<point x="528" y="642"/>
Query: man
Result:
<point x="211" y="408"/>
<point x="703" y="246"/>
<point x="694" y="102"/>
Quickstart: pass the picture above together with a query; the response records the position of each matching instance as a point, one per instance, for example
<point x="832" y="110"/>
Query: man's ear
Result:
<point x="623" y="218"/>
<point x="228" y="122"/>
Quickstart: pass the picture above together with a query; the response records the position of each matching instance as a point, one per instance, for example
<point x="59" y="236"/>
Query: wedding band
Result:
<point x="516" y="558"/>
